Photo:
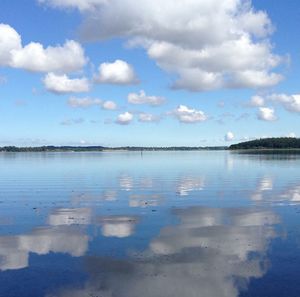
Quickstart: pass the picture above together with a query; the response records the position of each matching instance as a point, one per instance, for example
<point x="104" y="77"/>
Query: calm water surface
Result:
<point x="166" y="224"/>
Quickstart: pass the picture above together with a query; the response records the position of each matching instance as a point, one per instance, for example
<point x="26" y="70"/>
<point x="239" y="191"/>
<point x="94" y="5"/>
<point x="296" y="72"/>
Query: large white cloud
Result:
<point x="207" y="44"/>
<point x="188" y="115"/>
<point x="62" y="84"/>
<point x="118" y="72"/>
<point x="34" y="57"/>
<point x="9" y="40"/>
<point x="142" y="98"/>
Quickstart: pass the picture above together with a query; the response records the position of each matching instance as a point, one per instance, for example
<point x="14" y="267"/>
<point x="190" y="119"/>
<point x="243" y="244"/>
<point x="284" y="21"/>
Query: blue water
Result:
<point x="208" y="224"/>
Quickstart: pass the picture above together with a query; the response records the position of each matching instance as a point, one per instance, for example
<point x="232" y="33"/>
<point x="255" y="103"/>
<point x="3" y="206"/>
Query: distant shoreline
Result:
<point x="14" y="149"/>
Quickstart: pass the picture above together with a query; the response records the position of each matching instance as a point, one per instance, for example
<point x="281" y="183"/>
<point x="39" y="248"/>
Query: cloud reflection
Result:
<point x="118" y="226"/>
<point x="15" y="250"/>
<point x="211" y="252"/>
<point x="70" y="216"/>
<point x="189" y="184"/>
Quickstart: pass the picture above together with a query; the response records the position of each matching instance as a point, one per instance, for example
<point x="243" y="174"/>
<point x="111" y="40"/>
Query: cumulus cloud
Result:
<point x="83" y="102"/>
<point x="142" y="98"/>
<point x="124" y="118"/>
<point x="82" y="5"/>
<point x="88" y="102"/>
<point x="291" y="135"/>
<point x="70" y="122"/>
<point x="210" y="45"/>
<point x="229" y="136"/>
<point x="266" y="114"/>
<point x="62" y="84"/>
<point x="188" y="115"/>
<point x="34" y="57"/>
<point x="289" y="102"/>
<point x="118" y="72"/>
<point x="9" y="40"/>
<point x="256" y="101"/>
<point x="109" y="105"/>
<point x="148" y="118"/>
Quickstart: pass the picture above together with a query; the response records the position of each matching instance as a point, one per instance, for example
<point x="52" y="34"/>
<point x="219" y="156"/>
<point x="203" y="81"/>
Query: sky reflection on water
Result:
<point x="158" y="224"/>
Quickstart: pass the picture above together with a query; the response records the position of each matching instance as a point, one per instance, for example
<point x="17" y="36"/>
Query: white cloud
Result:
<point x="83" y="102"/>
<point x="229" y="136"/>
<point x="9" y="40"/>
<point x="142" y="98"/>
<point x="148" y="118"/>
<point x="124" y="118"/>
<point x="118" y="72"/>
<point x="188" y="115"/>
<point x="209" y="45"/>
<point x="88" y="102"/>
<point x="290" y="102"/>
<point x="266" y="114"/>
<point x="82" y="5"/>
<point x="69" y="122"/>
<point x="292" y="135"/>
<point x="256" y="101"/>
<point x="34" y="57"/>
<point x="109" y="105"/>
<point x="62" y="84"/>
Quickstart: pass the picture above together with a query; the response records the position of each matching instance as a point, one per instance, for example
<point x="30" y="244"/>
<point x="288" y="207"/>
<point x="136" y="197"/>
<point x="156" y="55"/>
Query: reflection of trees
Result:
<point x="211" y="252"/>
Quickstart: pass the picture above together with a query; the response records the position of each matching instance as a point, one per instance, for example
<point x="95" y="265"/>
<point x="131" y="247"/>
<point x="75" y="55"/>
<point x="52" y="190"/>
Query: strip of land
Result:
<point x="103" y="149"/>
<point x="279" y="143"/>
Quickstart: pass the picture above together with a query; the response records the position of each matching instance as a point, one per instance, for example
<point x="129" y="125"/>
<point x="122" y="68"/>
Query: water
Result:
<point x="208" y="224"/>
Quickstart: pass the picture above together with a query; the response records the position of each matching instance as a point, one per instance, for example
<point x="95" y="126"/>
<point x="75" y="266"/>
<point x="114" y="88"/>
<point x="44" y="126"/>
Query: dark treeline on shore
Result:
<point x="258" y="144"/>
<point x="102" y="148"/>
<point x="268" y="143"/>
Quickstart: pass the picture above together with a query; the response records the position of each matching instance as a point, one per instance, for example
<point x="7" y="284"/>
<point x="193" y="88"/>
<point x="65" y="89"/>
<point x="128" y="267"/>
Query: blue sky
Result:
<point x="112" y="72"/>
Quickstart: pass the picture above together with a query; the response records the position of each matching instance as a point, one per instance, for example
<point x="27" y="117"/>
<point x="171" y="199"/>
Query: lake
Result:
<point x="131" y="224"/>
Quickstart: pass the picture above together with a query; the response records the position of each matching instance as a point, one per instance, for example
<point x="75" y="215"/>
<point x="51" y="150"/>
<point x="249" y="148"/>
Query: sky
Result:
<point x="149" y="72"/>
